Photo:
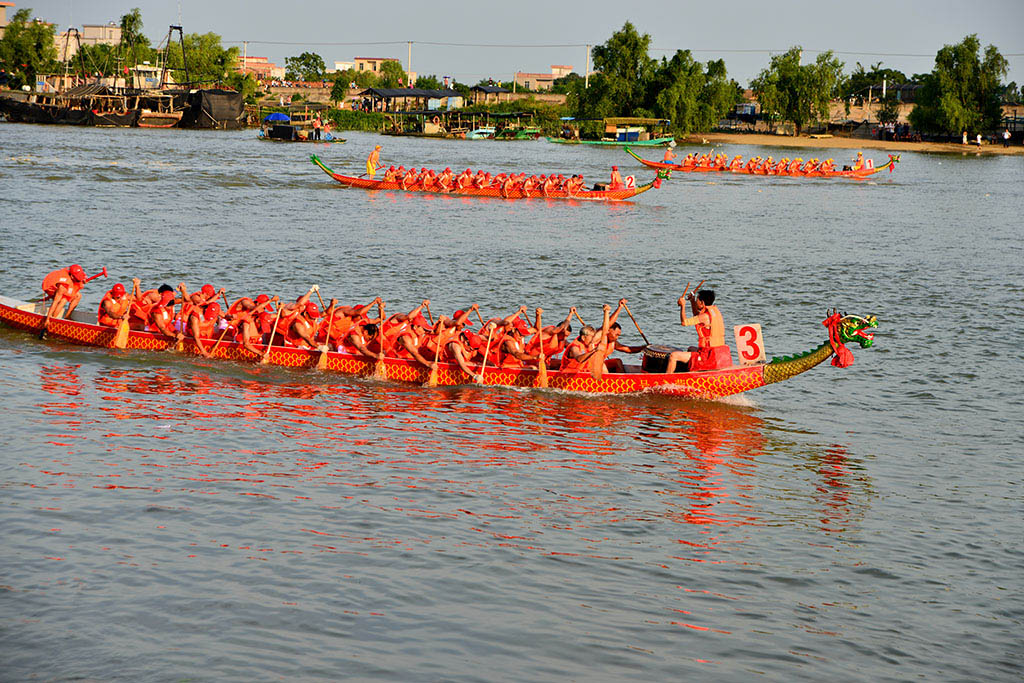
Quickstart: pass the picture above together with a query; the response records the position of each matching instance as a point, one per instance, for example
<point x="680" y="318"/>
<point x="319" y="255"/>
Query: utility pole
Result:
<point x="883" y="87"/>
<point x="586" y="71"/>
<point x="408" y="68"/>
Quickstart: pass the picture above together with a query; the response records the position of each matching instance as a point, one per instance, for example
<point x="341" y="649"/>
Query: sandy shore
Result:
<point x="847" y="143"/>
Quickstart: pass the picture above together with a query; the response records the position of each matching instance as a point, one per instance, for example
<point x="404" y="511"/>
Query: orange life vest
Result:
<point x="57" y="278"/>
<point x="119" y="307"/>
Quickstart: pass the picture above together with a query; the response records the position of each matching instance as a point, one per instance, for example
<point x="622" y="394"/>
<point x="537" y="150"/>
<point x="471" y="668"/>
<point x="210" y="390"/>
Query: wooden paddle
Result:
<point x="637" y="324"/>
<point x="219" y="340"/>
<point x="480" y="318"/>
<point x="429" y="317"/>
<point x="579" y="318"/>
<point x="317" y="290"/>
<point x="542" y="368"/>
<point x="432" y="379"/>
<point x="321" y="363"/>
<point x="380" y="371"/>
<point x="487" y="352"/>
<point x="273" y="333"/>
<point x="597" y="360"/>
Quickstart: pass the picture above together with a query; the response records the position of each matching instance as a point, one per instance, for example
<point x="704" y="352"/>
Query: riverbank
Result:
<point x="847" y="143"/>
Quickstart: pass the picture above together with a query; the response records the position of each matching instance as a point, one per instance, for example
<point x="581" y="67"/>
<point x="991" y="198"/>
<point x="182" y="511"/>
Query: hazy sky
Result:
<point x="903" y="34"/>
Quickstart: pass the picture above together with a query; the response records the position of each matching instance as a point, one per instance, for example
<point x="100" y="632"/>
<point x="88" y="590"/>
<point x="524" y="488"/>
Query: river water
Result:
<point x="172" y="518"/>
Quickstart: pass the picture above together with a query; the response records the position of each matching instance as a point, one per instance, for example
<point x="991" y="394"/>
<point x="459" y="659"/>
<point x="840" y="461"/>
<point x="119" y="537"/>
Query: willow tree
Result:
<point x="801" y="93"/>
<point x="964" y="90"/>
<point x="693" y="98"/>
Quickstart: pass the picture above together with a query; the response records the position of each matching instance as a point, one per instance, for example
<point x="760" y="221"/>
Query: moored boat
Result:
<point x="494" y="192"/>
<point x="710" y="384"/>
<point x="869" y="169"/>
<point x="619" y="131"/>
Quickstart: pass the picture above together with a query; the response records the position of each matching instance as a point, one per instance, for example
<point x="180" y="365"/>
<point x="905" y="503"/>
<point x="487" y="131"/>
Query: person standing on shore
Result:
<point x="965" y="137"/>
<point x="1006" y="137"/>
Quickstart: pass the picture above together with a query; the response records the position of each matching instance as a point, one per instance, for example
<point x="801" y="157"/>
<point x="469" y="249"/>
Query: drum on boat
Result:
<point x="656" y="357"/>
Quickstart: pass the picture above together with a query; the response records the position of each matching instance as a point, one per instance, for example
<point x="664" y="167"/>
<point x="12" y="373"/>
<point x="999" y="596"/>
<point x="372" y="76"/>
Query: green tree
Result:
<point x="27" y="49"/>
<point x="135" y="47"/>
<point x="566" y="83"/>
<point x="861" y="80"/>
<point x="801" y="93"/>
<point x="690" y="96"/>
<point x="208" y="60"/>
<point x="963" y="91"/>
<point x="243" y="83"/>
<point x="623" y="72"/>
<point x="392" y="75"/>
<point x="309" y="66"/>
<point x="430" y="82"/>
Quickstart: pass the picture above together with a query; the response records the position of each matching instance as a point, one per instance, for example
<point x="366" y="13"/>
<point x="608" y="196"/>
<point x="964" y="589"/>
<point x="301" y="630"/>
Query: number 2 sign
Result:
<point x="630" y="182"/>
<point x="749" y="344"/>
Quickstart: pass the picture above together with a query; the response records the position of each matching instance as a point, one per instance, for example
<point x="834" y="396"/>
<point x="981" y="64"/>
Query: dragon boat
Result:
<point x="494" y="192"/>
<point x="712" y="384"/>
<point x="870" y="170"/>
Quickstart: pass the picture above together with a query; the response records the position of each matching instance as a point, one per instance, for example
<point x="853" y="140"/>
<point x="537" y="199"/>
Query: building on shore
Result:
<point x="540" y="81"/>
<point x="375" y="65"/>
<point x="67" y="43"/>
<point x="261" y="68"/>
<point x="3" y="16"/>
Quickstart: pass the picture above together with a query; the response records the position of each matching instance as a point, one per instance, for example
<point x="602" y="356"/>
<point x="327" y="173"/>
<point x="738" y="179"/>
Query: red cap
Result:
<point x="615" y="168"/>
<point x="420" y="321"/>
<point x="212" y="312"/>
<point x="520" y="325"/>
<point x="261" y="299"/>
<point x="474" y="340"/>
<point x="468" y="323"/>
<point x="208" y="291"/>
<point x="117" y="290"/>
<point x="77" y="272"/>
<point x="447" y="170"/>
<point x="166" y="298"/>
<point x="312" y="310"/>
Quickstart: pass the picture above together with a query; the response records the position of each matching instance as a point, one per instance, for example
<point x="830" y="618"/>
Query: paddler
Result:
<point x="859" y="163"/>
<point x="161" y="316"/>
<point x="115" y="306"/>
<point x="579" y="351"/>
<point x="373" y="162"/>
<point x="612" y="344"/>
<point x="711" y="351"/>
<point x="64" y="286"/>
<point x="554" y="338"/>
<point x="444" y="181"/>
<point x="202" y="326"/>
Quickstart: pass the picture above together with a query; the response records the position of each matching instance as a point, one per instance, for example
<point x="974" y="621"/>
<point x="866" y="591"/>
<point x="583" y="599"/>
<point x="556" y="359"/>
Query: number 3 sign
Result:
<point x="749" y="344"/>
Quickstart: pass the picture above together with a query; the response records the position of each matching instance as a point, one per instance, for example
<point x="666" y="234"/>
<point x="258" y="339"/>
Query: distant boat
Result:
<point x="618" y="131"/>
<point x="485" y="133"/>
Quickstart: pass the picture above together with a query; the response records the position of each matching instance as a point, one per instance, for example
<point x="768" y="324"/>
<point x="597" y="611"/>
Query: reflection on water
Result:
<point x="285" y="437"/>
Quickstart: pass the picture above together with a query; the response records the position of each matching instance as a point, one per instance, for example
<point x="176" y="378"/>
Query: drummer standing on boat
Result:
<point x="64" y="286"/>
<point x="373" y="162"/>
<point x="711" y="352"/>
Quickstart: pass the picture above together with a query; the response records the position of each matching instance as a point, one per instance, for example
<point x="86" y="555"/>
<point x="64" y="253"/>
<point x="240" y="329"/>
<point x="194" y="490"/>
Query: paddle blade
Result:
<point x="121" y="336"/>
<point x="597" y="366"/>
<point x="542" y="375"/>
<point x="432" y="380"/>
<point x="321" y="363"/>
<point x="380" y="371"/>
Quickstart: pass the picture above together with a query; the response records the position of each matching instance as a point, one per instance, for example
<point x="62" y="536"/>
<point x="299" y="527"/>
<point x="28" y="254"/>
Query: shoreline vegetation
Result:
<point x="827" y="142"/>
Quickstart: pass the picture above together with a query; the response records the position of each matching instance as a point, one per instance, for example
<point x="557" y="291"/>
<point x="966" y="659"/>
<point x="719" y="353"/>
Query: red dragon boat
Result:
<point x="30" y="316"/>
<point x="870" y="170"/>
<point x="494" y="192"/>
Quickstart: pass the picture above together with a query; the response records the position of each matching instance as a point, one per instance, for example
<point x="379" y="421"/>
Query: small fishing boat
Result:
<point x="625" y="193"/>
<point x="484" y="133"/>
<point x="619" y="131"/>
<point x="869" y="168"/>
<point x="711" y="384"/>
<point x="158" y="119"/>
